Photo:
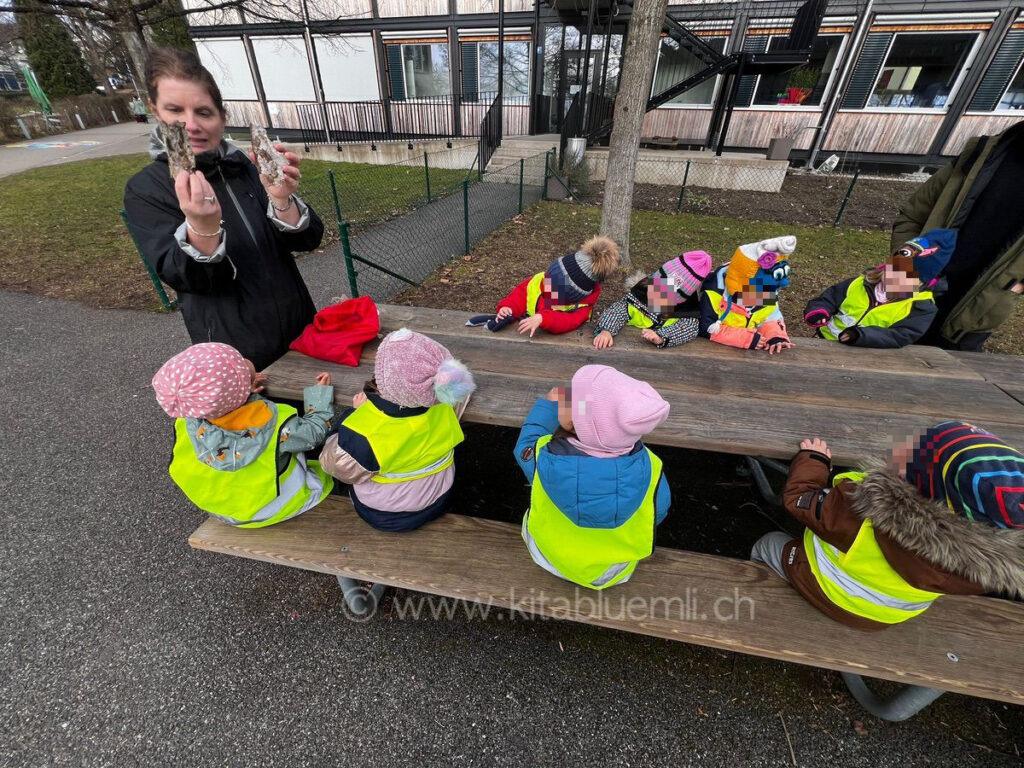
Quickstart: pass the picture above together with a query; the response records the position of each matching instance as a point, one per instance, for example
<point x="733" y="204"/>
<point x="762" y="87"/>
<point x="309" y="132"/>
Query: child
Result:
<point x="664" y="304"/>
<point x="739" y="307"/>
<point x="237" y="455"/>
<point x="597" y="491"/>
<point x="396" y="447"/>
<point x="561" y="298"/>
<point x="890" y="305"/>
<point x="877" y="552"/>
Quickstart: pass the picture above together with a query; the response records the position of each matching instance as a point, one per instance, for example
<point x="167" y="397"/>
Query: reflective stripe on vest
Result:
<point x="639" y="320"/>
<point x="860" y="580"/>
<point x="252" y="496"/>
<point x="534" y="288"/>
<point x="856" y="310"/>
<point x="591" y="557"/>
<point x="736" y="317"/>
<point x="408" y="447"/>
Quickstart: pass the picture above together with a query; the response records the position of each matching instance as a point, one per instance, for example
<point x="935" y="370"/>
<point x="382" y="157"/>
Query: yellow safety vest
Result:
<point x="860" y="580"/>
<point x="639" y="320"/>
<point x="740" y="319"/>
<point x="856" y="310"/>
<point x="534" y="288"/>
<point x="408" y="447"/>
<point x="596" y="558"/>
<point x="252" y="496"/>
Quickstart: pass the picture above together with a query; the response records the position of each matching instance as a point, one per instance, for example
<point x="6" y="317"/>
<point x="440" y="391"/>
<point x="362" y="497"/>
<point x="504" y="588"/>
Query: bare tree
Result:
<point x="630" y="107"/>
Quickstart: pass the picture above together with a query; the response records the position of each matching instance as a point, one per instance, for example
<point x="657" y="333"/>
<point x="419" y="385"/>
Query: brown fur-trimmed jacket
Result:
<point x="931" y="548"/>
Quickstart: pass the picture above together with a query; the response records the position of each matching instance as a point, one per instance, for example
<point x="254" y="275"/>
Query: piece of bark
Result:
<point x="270" y="162"/>
<point x="179" y="149"/>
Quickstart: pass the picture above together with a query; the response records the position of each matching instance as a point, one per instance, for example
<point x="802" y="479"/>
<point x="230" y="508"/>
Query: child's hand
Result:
<point x="323" y="379"/>
<point x="504" y="312"/>
<point x="259" y="382"/>
<point x="603" y="340"/>
<point x="774" y="348"/>
<point x="358" y="399"/>
<point x="531" y="324"/>
<point x="553" y="394"/>
<point x="1017" y="288"/>
<point x="816" y="444"/>
<point x="650" y="336"/>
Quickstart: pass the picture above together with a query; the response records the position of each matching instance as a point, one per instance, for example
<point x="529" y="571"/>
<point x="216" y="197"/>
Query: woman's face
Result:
<point x="183" y="101"/>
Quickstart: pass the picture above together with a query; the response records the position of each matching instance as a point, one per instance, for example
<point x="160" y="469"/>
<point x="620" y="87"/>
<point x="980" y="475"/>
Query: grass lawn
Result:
<point x="529" y="242"/>
<point x="63" y="236"/>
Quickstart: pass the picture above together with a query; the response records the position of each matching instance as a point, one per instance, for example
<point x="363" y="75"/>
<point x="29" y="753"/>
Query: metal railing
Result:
<point x="490" y="132"/>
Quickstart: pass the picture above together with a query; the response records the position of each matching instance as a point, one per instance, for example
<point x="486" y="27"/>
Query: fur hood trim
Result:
<point x="990" y="557"/>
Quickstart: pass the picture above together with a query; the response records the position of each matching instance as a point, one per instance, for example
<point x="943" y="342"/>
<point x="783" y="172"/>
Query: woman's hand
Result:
<point x="198" y="202"/>
<point x="280" y="194"/>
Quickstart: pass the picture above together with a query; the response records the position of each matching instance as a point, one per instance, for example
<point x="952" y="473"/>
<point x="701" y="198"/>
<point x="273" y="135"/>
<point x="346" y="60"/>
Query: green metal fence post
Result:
<point x="465" y="210"/>
<point x="682" y="189"/>
<point x="160" y="292"/>
<point x="426" y="170"/>
<point x="547" y="163"/>
<point x="522" y="163"/>
<point x="846" y="198"/>
<point x="346" y="246"/>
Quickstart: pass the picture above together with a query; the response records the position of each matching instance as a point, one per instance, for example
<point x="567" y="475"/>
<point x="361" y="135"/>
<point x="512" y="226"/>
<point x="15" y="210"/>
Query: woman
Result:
<point x="223" y="236"/>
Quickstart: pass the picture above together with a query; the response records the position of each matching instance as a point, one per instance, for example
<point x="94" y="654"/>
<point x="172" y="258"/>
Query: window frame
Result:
<point x="529" y="68"/>
<point x="405" y="83"/>
<point x="726" y="37"/>
<point x="954" y="89"/>
<point x="1004" y="111"/>
<point x="825" y="94"/>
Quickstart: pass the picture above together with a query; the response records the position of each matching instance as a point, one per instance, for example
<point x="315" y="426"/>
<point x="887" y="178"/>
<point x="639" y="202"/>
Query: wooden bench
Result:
<point x="724" y="400"/>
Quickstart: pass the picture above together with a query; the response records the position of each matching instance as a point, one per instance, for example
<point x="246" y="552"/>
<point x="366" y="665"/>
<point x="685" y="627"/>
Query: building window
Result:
<point x="803" y="86"/>
<point x="426" y="67"/>
<point x="1014" y="96"/>
<point x="676" y="63"/>
<point x="921" y="70"/>
<point x="9" y="82"/>
<point x="517" y="69"/>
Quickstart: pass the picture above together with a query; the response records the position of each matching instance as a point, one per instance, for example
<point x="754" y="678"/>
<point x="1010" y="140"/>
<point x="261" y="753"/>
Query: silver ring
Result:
<point x="209" y="199"/>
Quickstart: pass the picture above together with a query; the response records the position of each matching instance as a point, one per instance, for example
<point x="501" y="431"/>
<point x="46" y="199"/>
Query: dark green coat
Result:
<point x="937" y="203"/>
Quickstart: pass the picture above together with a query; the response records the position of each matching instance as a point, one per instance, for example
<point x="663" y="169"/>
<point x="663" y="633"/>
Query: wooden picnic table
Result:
<point x="723" y="399"/>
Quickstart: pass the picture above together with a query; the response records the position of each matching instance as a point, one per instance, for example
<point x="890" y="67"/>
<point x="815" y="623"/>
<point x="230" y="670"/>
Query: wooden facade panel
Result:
<point x="403" y="8"/>
<point x="421" y="118"/>
<point x="686" y="124"/>
<point x="330" y="10"/>
<point x="284" y="114"/>
<point x="889" y="132"/>
<point x="757" y="127"/>
<point x="491" y="6"/>
<point x="977" y="125"/>
<point x="245" y="113"/>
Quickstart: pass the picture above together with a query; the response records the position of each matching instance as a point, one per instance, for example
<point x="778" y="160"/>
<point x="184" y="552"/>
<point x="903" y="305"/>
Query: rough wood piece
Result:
<point x="711" y="422"/>
<point x="701" y="599"/>
<point x="270" y="162"/>
<point x="179" y="149"/>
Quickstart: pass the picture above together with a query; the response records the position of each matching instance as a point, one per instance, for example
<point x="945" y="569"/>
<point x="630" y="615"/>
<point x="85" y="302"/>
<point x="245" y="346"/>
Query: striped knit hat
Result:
<point x="572" y="277"/>
<point x="974" y="472"/>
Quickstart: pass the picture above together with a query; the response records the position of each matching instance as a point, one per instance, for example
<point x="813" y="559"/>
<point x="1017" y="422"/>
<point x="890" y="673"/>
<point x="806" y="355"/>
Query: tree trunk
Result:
<point x="638" y="61"/>
<point x="130" y="27"/>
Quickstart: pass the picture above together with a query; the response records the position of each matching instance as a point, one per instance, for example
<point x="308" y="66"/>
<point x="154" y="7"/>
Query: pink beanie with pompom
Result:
<point x="205" y="381"/>
<point x="611" y="411"/>
<point x="414" y="371"/>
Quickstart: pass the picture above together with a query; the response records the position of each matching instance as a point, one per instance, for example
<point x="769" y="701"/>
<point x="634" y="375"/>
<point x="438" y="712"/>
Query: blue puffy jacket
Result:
<point x="592" y="492"/>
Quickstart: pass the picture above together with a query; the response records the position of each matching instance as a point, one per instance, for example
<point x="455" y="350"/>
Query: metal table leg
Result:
<point x="361" y="599"/>
<point x="910" y="699"/>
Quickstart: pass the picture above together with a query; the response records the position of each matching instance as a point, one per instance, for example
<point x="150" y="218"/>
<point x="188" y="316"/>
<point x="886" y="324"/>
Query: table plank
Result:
<point x="812" y="353"/>
<point x="1005" y="371"/>
<point x="703" y="421"/>
<point x="673" y="595"/>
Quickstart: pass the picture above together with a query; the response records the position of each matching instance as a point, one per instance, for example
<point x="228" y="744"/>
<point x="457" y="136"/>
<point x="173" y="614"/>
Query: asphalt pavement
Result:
<point x="117" y="139"/>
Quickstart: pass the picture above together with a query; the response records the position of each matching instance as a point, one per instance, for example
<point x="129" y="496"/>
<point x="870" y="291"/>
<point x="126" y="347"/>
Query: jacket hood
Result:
<point x="225" y="151"/>
<point x="229" y="449"/>
<point x="990" y="557"/>
<point x="595" y="492"/>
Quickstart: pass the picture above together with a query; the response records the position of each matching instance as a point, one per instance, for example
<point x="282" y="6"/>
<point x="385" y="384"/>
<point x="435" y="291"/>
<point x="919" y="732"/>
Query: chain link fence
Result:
<point x="751" y="189"/>
<point x="384" y="258"/>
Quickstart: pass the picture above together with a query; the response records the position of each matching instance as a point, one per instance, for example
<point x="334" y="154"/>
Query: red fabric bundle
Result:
<point x="338" y="332"/>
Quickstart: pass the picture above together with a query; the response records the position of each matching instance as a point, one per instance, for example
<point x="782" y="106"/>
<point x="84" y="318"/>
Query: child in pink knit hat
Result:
<point x="238" y="455"/>
<point x="664" y="304"/>
<point x="396" y="447"/>
<point x="597" y="491"/>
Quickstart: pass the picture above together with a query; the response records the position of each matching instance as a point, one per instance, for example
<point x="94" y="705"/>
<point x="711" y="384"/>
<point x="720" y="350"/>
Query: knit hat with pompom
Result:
<point x="414" y="371"/>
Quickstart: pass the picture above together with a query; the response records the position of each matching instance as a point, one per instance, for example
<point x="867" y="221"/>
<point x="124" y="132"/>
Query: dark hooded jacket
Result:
<point x="930" y="547"/>
<point x="253" y="298"/>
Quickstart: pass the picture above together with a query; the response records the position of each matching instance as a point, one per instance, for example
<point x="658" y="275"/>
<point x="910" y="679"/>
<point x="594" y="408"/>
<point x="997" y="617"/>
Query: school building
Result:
<point x="890" y="82"/>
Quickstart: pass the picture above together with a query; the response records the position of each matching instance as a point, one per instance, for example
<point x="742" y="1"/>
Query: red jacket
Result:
<point x="552" y="321"/>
